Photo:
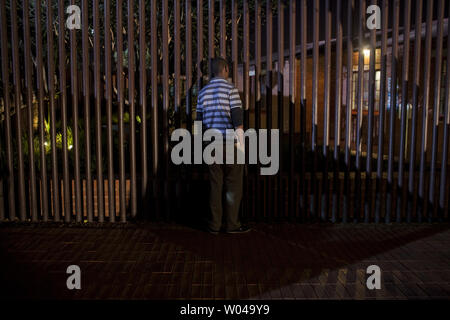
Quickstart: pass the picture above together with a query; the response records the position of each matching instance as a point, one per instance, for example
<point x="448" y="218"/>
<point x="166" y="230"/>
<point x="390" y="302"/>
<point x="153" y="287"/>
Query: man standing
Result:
<point x="219" y="107"/>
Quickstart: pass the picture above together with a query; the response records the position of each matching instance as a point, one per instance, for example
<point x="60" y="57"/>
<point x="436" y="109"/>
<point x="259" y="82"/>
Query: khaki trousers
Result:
<point x="225" y="195"/>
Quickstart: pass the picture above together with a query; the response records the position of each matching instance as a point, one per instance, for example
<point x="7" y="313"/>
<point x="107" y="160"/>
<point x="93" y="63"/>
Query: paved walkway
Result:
<point x="275" y="261"/>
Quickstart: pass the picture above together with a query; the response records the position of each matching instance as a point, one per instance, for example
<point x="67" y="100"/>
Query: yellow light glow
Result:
<point x="366" y="53"/>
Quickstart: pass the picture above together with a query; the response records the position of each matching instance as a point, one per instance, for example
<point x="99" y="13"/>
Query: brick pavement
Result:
<point x="274" y="261"/>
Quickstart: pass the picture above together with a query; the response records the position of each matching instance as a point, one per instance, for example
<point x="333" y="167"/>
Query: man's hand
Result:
<point x="240" y="134"/>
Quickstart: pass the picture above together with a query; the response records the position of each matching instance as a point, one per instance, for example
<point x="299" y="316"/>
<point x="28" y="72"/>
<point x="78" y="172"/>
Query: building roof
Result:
<point x="412" y="37"/>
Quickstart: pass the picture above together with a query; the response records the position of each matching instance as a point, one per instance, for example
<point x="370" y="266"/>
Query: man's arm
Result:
<point x="237" y="114"/>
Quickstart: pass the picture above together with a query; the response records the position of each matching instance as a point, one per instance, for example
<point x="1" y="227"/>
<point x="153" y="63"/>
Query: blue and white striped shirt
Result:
<point x="219" y="105"/>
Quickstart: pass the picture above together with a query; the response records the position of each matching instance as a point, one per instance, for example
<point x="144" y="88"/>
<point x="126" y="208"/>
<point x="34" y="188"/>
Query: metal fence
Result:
<point x="86" y="114"/>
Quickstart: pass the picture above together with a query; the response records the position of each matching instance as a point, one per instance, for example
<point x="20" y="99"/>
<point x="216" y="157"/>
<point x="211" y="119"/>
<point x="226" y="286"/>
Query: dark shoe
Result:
<point x="208" y="229"/>
<point x="242" y="229"/>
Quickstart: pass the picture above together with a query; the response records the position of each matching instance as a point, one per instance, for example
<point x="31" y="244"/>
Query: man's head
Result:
<point x="219" y="67"/>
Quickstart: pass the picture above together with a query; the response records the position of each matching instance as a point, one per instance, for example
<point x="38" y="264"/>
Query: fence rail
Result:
<point x="86" y="113"/>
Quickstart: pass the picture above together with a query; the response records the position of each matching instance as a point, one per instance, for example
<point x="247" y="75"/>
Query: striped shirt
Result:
<point x="219" y="105"/>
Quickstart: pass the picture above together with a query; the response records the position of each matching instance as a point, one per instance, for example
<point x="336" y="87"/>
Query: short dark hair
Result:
<point x="217" y="65"/>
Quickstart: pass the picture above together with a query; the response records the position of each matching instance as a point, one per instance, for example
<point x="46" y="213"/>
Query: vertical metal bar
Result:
<point x="18" y="107"/>
<point x="280" y="98"/>
<point x="98" y="114"/>
<point x="291" y="104"/>
<point x="234" y="40"/>
<point x="177" y="85"/>
<point x="87" y="109"/>
<point x="348" y="114"/>
<point x="258" y="94"/>
<point x="98" y="140"/>
<point x="444" y="162"/>
<point x="337" y="112"/>
<point x="223" y="22"/>
<point x="269" y="85"/>
<point x="86" y="101"/>
<point x="132" y="100"/>
<point x="426" y="97"/>
<point x="188" y="88"/>
<point x="251" y="186"/>
<point x="247" y="88"/>
<point x="177" y="63"/>
<point x="52" y="107"/>
<point x="120" y="105"/>
<point x="29" y="103"/>
<point x="257" y="64"/>
<point x="315" y="107"/>
<point x="40" y="87"/>
<point x="246" y="57"/>
<point x="392" y="111"/>
<point x="76" y="146"/>
<point x="9" y="174"/>
<point x="326" y="113"/>
<point x="415" y="102"/>
<point x="143" y="102"/>
<point x="360" y="106"/>
<point x="382" y="108"/>
<point x="200" y="44"/>
<point x="303" y="70"/>
<point x="74" y="96"/>
<point x="165" y="95"/>
<point x="211" y="33"/>
<point x="63" y="105"/>
<point x="108" y="95"/>
<point x="154" y="84"/>
<point x="7" y="104"/>
<point x="188" y="61"/>
<point x="436" y="109"/>
<point x="371" y="107"/>
<point x="404" y="106"/>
